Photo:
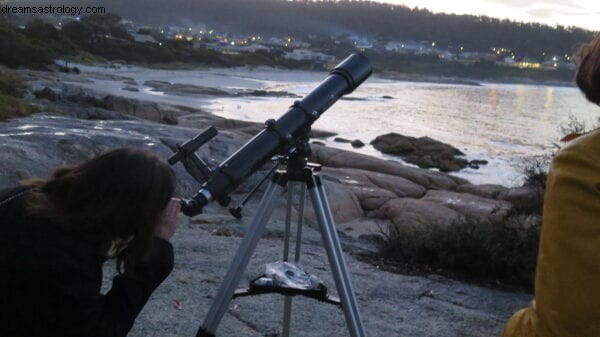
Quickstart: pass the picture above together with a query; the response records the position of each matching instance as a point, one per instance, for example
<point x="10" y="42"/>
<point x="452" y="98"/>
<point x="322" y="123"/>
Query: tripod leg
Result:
<point x="287" y="307"/>
<point x="300" y="222"/>
<point x="288" y="221"/>
<point x="287" y="304"/>
<point x="332" y="244"/>
<point x="240" y="261"/>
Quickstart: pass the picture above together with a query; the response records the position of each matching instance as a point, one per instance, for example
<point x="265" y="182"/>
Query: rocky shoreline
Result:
<point x="365" y="193"/>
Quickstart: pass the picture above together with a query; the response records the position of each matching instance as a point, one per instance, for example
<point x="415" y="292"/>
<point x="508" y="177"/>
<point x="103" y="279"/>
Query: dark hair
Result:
<point x="587" y="59"/>
<point x="114" y="199"/>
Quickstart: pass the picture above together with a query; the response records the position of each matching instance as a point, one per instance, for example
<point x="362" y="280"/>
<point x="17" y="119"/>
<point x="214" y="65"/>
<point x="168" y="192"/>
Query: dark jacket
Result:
<point x="50" y="279"/>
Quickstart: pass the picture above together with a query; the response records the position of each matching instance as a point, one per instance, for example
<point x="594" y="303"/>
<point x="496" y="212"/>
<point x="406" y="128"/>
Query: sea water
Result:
<point x="505" y="124"/>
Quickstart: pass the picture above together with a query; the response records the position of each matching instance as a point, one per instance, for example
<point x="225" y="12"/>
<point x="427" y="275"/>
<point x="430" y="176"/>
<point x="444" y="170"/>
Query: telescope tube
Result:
<point x="280" y="136"/>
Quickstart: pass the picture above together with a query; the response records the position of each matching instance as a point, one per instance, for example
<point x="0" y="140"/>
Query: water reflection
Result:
<point x="549" y="99"/>
<point x="498" y="122"/>
<point x="492" y="99"/>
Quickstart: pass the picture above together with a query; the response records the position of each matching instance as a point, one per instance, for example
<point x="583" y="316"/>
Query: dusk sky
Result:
<point x="582" y="13"/>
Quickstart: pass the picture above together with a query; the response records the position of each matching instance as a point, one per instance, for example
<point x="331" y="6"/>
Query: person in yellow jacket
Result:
<point x="567" y="283"/>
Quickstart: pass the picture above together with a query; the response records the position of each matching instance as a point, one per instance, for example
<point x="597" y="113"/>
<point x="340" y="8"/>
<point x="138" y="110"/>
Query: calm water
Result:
<point x="500" y="123"/>
<point x="503" y="124"/>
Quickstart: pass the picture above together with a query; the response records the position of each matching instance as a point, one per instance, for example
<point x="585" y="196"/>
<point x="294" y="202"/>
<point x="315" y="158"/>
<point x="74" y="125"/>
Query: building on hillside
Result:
<point x="411" y="47"/>
<point x="274" y="41"/>
<point x="502" y="52"/>
<point x="474" y="56"/>
<point x="144" y="38"/>
<point x="309" y="55"/>
<point x="393" y="46"/>
<point x="446" y="55"/>
<point x="508" y="61"/>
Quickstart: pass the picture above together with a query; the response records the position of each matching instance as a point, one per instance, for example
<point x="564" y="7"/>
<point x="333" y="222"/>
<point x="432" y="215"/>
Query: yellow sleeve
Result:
<point x="567" y="287"/>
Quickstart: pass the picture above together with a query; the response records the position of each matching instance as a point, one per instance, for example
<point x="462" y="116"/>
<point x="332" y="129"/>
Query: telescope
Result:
<point x="282" y="137"/>
<point x="286" y="141"/>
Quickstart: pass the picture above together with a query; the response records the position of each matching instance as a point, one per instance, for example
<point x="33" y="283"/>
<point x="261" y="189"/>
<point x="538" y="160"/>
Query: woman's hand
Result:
<point x="168" y="222"/>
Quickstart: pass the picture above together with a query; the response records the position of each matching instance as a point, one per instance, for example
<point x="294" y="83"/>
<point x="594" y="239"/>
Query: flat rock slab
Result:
<point x="36" y="145"/>
<point x="344" y="205"/>
<point x="390" y="304"/>
<point x="339" y="158"/>
<point x="373" y="189"/>
<point x="409" y="212"/>
<point x="489" y="191"/>
<point x="468" y="205"/>
<point x="401" y="187"/>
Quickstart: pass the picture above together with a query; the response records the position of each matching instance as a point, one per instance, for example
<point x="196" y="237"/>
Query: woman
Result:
<point x="567" y="285"/>
<point x="55" y="234"/>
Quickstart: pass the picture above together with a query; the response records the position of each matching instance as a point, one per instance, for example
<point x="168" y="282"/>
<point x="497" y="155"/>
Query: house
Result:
<point x="393" y="46"/>
<point x="309" y="55"/>
<point x="275" y="41"/>
<point x="410" y="47"/>
<point x="474" y="56"/>
<point x="253" y="48"/>
<point x="445" y="55"/>
<point x="508" y="61"/>
<point x="144" y="38"/>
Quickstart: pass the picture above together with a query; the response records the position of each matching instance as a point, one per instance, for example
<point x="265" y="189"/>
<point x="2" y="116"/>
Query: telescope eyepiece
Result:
<point x="193" y="206"/>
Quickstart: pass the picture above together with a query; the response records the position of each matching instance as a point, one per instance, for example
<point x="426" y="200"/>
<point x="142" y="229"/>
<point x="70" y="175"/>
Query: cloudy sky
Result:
<point x="582" y="13"/>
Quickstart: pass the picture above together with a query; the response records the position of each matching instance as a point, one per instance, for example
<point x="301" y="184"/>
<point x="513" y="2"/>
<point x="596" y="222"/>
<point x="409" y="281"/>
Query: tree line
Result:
<point x="366" y="18"/>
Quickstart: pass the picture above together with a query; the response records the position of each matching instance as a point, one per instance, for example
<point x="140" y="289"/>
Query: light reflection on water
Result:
<point x="497" y="122"/>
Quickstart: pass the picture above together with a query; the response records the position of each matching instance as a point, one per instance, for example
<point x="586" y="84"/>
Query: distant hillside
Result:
<point x="370" y="19"/>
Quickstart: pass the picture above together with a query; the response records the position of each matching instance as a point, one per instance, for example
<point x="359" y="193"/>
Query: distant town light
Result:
<point x="529" y="65"/>
<point x="210" y="32"/>
<point x="160" y="43"/>
<point x="461" y="48"/>
<point x="433" y="44"/>
<point x="233" y="43"/>
<point x="554" y="58"/>
<point x="555" y="65"/>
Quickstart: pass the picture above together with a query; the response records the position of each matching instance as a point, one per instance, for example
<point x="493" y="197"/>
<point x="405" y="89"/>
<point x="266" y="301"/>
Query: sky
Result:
<point x="581" y="13"/>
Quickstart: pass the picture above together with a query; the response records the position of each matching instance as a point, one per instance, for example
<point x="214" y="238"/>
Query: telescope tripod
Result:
<point x="297" y="172"/>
